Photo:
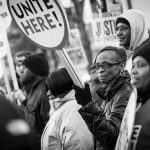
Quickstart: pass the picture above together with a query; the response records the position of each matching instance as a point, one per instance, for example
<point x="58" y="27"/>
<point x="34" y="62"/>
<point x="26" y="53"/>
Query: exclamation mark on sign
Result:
<point x="56" y="18"/>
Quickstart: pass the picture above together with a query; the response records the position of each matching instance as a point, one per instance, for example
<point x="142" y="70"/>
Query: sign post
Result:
<point x="45" y="24"/>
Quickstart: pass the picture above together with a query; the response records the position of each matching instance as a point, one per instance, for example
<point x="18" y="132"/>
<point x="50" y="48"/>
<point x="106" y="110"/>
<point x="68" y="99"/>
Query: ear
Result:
<point x="122" y="65"/>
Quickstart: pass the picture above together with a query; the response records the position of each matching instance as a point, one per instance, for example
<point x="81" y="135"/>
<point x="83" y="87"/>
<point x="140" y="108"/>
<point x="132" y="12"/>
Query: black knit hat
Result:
<point x="144" y="51"/>
<point x="38" y="64"/>
<point x="122" y="20"/>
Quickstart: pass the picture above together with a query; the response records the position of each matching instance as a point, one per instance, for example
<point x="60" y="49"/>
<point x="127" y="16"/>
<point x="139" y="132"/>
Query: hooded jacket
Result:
<point x="66" y="130"/>
<point x="104" y="122"/>
<point x="138" y="25"/>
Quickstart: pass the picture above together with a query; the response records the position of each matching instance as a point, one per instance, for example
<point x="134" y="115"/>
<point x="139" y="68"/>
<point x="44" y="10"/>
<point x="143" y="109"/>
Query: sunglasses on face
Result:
<point x="105" y="65"/>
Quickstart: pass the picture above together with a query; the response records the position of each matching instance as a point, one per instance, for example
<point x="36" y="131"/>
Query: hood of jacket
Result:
<point x="108" y="90"/>
<point x="139" y="27"/>
<point x="58" y="102"/>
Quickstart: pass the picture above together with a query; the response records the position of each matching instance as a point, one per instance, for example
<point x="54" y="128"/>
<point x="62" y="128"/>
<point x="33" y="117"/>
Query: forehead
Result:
<point x="140" y="59"/>
<point x="122" y="25"/>
<point x="108" y="56"/>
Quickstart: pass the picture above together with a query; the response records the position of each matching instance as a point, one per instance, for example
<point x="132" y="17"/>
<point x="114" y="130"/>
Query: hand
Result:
<point x="19" y="96"/>
<point x="83" y="95"/>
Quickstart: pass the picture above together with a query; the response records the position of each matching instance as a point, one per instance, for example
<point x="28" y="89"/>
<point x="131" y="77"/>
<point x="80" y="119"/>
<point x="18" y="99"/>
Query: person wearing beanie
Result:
<point x="140" y="78"/>
<point x="34" y="73"/>
<point x="37" y="64"/>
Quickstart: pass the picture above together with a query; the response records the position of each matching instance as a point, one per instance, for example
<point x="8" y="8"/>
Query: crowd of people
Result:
<point x="56" y="114"/>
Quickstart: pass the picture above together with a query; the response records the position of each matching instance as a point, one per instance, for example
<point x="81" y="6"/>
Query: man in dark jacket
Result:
<point x="34" y="72"/>
<point x="104" y="121"/>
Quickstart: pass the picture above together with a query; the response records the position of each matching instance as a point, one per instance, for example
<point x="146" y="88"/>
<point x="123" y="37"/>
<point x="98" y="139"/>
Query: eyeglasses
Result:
<point x="105" y="65"/>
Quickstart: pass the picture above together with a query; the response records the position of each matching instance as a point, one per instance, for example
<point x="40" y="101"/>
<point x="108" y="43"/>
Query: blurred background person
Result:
<point x="66" y="129"/>
<point x="104" y="121"/>
<point x="15" y="132"/>
<point x="94" y="83"/>
<point x="18" y="60"/>
<point x="140" y="74"/>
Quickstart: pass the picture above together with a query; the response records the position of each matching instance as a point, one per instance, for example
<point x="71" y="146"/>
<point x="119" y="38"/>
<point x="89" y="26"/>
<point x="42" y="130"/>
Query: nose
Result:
<point x="100" y="70"/>
<point x="119" y="33"/>
<point x="134" y="70"/>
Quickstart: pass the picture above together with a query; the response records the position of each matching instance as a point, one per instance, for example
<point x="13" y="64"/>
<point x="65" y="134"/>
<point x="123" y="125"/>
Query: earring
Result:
<point x="122" y="73"/>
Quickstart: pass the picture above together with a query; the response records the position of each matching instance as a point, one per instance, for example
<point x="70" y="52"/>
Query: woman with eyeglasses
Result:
<point x="66" y="129"/>
<point x="140" y="77"/>
<point x="104" y="121"/>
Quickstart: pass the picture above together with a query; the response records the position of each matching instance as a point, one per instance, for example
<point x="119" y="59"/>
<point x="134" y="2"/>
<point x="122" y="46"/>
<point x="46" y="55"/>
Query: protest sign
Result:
<point x="43" y="22"/>
<point x="3" y="43"/>
<point x="75" y="49"/>
<point x="104" y="31"/>
<point x="4" y="14"/>
<point x="127" y="123"/>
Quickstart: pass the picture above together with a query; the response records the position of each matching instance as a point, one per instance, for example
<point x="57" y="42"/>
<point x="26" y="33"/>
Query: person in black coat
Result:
<point x="104" y="121"/>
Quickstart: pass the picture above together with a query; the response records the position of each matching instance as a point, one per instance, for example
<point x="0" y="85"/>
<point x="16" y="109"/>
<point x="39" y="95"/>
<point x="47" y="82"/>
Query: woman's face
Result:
<point x="140" y="73"/>
<point x="108" y="66"/>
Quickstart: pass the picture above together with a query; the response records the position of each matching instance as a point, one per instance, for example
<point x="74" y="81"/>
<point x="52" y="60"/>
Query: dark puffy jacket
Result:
<point x="104" y="122"/>
<point x="37" y="107"/>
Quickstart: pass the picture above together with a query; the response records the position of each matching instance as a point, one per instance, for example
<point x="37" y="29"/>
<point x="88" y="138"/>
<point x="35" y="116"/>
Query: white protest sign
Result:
<point x="45" y="24"/>
<point x="42" y="21"/>
<point x="127" y="123"/>
<point x="4" y="14"/>
<point x="104" y="31"/>
<point x="75" y="49"/>
<point x="3" y="43"/>
<point x="109" y="28"/>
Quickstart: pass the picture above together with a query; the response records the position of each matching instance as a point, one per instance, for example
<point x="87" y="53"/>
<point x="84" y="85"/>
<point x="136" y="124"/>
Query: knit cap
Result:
<point x="144" y="51"/>
<point x="38" y="64"/>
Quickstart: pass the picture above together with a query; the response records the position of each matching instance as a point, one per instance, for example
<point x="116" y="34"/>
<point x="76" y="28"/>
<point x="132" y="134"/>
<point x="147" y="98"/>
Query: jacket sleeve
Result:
<point x="106" y="129"/>
<point x="45" y="108"/>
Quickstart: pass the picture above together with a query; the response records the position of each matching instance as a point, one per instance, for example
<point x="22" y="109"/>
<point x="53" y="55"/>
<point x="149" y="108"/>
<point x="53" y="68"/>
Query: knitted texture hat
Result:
<point x="122" y="20"/>
<point x="144" y="51"/>
<point x="38" y="64"/>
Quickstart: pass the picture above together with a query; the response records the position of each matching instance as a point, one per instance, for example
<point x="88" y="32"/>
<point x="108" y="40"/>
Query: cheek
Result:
<point x="145" y="79"/>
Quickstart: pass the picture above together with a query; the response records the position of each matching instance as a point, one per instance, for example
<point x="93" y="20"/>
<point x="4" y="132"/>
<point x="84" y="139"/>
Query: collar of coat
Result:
<point x="110" y="89"/>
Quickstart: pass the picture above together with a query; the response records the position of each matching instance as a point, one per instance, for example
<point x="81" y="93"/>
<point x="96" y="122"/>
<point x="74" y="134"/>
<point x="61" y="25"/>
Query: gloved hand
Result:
<point x="82" y="95"/>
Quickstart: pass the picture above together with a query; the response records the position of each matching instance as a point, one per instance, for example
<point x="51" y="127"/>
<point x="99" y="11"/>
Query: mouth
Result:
<point x="121" y="39"/>
<point x="134" y="80"/>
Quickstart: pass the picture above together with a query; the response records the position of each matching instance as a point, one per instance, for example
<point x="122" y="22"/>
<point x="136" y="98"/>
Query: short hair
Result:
<point x="59" y="82"/>
<point x="121" y="53"/>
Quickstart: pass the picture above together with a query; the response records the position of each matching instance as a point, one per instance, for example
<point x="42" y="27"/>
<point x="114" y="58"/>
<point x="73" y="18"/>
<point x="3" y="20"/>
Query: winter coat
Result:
<point x="37" y="107"/>
<point x="104" y="122"/>
<point x="66" y="130"/>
